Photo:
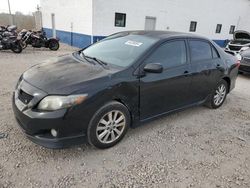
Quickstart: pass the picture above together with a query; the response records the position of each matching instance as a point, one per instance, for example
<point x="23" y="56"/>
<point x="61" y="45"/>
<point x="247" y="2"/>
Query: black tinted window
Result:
<point x="218" y="28"/>
<point x="120" y="20"/>
<point x="232" y="28"/>
<point x="200" y="50"/>
<point x="192" y="27"/>
<point x="170" y="54"/>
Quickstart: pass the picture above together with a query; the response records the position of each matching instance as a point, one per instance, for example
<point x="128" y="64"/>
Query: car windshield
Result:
<point x="119" y="49"/>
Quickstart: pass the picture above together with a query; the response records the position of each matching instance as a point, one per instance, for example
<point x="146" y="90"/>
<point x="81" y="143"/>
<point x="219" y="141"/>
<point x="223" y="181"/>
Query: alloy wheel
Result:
<point x="111" y="126"/>
<point x="220" y="95"/>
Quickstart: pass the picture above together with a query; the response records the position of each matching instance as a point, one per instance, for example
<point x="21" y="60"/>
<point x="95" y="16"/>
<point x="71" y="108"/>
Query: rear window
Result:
<point x="200" y="50"/>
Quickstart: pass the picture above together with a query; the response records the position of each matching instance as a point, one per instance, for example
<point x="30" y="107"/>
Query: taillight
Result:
<point x="238" y="63"/>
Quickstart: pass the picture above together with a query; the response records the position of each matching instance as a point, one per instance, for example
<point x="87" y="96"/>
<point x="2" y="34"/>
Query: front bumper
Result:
<point x="38" y="130"/>
<point x="244" y="68"/>
<point x="245" y="65"/>
<point x="57" y="143"/>
<point x="37" y="125"/>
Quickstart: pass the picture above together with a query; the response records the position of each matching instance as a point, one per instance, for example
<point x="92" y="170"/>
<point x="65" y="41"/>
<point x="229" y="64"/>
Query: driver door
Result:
<point x="168" y="90"/>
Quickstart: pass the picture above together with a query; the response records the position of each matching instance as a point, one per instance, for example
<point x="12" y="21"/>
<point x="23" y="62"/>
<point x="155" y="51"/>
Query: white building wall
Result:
<point x="94" y="18"/>
<point x="78" y="12"/>
<point x="244" y="20"/>
<point x="173" y="15"/>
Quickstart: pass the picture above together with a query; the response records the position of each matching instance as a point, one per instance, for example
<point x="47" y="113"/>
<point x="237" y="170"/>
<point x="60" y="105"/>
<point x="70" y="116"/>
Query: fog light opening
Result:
<point x="54" y="133"/>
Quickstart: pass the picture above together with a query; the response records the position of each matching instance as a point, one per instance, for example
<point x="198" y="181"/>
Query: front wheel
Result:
<point x="109" y="125"/>
<point x="219" y="95"/>
<point x="16" y="48"/>
<point x="54" y="45"/>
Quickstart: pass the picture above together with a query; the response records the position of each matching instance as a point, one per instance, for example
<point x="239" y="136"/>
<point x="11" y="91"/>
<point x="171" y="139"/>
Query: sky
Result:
<point x="24" y="6"/>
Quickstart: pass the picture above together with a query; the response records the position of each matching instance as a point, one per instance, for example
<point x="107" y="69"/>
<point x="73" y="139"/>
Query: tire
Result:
<point x="17" y="48"/>
<point x="54" y="45"/>
<point x="101" y="132"/>
<point x="220" y="91"/>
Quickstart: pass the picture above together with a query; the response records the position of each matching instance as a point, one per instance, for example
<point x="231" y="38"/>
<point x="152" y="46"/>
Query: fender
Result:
<point x="49" y="40"/>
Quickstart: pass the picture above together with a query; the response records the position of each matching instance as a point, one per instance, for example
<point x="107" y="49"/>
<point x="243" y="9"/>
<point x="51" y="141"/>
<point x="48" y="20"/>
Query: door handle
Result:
<point x="186" y="73"/>
<point x="219" y="67"/>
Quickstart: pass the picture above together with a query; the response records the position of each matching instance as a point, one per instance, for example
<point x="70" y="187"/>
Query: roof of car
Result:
<point x="163" y="34"/>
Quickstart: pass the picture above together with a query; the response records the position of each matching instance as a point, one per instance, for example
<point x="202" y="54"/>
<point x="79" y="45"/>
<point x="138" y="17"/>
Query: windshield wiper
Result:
<point x="95" y="59"/>
<point x="99" y="61"/>
<point x="85" y="57"/>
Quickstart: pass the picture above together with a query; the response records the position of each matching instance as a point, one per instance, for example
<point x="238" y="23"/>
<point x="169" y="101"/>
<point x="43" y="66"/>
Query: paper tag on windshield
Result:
<point x="133" y="43"/>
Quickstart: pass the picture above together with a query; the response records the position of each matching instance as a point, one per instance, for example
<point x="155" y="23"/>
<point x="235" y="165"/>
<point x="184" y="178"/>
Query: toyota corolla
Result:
<point x="97" y="93"/>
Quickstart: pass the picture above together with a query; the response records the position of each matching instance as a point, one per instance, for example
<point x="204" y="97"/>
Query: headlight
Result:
<point x="51" y="103"/>
<point x="19" y="81"/>
<point x="239" y="57"/>
<point x="244" y="48"/>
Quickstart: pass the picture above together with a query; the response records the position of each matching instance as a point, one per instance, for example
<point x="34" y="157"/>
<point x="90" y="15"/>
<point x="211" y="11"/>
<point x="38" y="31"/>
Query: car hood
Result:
<point x="241" y="35"/>
<point x="64" y="75"/>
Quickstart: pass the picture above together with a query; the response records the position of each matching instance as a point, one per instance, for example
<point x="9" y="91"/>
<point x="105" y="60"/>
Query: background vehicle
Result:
<point x="240" y="42"/>
<point x="121" y="81"/>
<point x="9" y="40"/>
<point x="38" y="39"/>
<point x="11" y="29"/>
<point x="245" y="61"/>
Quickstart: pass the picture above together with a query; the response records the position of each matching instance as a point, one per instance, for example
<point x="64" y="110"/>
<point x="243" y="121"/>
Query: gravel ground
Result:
<point x="197" y="147"/>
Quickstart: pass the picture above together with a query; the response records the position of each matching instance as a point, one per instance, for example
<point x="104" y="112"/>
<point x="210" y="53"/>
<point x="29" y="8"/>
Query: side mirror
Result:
<point x="153" y="68"/>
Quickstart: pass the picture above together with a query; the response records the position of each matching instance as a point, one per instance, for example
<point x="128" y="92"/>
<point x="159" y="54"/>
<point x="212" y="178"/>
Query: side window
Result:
<point x="120" y="20"/>
<point x="193" y="26"/>
<point x="215" y="53"/>
<point x="218" y="28"/>
<point x="232" y="28"/>
<point x="200" y="50"/>
<point x="170" y="54"/>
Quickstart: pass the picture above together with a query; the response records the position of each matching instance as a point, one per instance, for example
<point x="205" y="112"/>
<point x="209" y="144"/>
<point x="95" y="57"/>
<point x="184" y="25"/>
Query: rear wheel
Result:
<point x="109" y="125"/>
<point x="54" y="45"/>
<point x="219" y="95"/>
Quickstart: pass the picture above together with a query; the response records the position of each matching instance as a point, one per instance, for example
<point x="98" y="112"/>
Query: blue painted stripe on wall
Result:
<point x="221" y="43"/>
<point x="75" y="39"/>
<point x="98" y="38"/>
<point x="81" y="40"/>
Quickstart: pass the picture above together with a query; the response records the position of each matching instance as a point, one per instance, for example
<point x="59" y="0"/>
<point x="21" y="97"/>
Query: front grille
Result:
<point x="244" y="68"/>
<point x="235" y="48"/>
<point x="24" y="97"/>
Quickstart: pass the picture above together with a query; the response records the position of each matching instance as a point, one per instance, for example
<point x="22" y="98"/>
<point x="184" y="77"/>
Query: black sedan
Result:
<point x="126" y="79"/>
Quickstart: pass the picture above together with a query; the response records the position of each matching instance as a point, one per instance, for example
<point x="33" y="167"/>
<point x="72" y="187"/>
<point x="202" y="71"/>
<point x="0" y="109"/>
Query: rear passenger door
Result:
<point x="206" y="68"/>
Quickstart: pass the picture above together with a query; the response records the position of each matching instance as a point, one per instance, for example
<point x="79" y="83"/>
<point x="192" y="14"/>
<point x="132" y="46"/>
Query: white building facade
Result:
<point x="82" y="22"/>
